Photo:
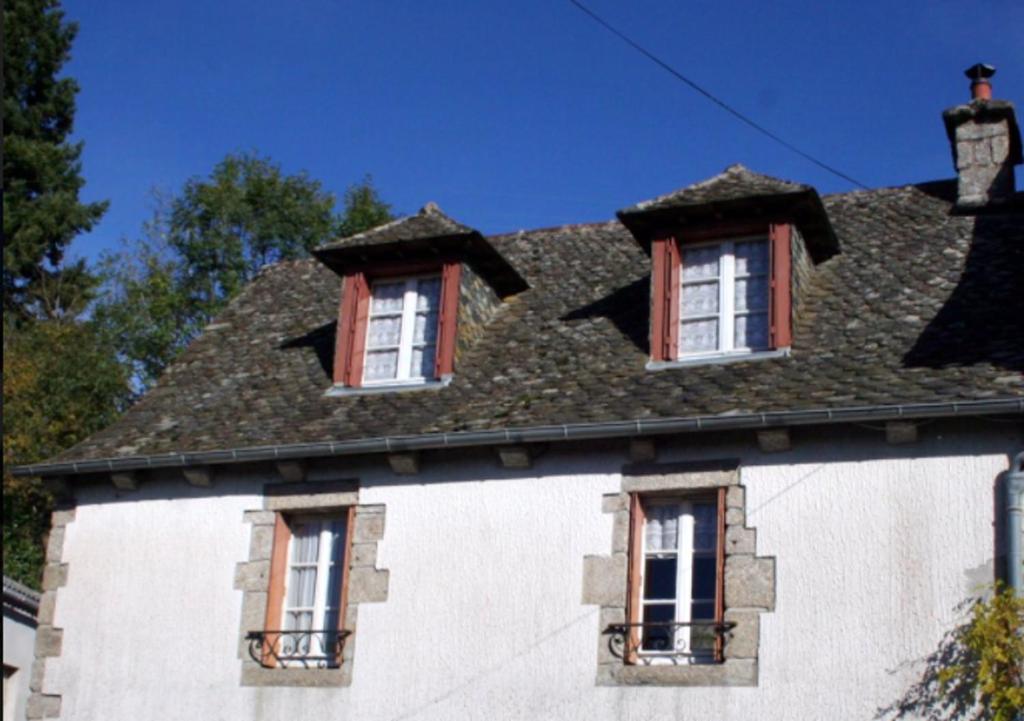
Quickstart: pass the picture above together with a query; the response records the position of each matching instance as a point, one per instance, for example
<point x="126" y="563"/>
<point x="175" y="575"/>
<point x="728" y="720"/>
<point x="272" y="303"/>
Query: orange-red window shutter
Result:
<point x="278" y="567"/>
<point x="720" y="571"/>
<point x="675" y="267"/>
<point x="780" y="301"/>
<point x="665" y="269"/>
<point x="351" y="339"/>
<point x="447" y="319"/>
<point x="636" y="530"/>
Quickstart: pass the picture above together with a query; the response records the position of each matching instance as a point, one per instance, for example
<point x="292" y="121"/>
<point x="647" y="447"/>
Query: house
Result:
<point x="21" y="604"/>
<point x="739" y="453"/>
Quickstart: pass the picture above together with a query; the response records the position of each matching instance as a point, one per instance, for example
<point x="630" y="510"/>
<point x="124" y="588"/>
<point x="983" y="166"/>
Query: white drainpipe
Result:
<point x="1014" y="522"/>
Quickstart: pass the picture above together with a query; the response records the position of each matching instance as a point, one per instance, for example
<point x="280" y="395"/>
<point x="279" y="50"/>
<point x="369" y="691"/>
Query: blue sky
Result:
<point x="520" y="114"/>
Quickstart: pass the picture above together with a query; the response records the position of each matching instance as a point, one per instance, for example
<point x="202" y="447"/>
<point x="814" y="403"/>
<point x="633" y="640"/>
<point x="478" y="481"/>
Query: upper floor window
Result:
<point x="397" y="329"/>
<point x="401" y="343"/>
<point x="724" y="297"/>
<point x="721" y="297"/>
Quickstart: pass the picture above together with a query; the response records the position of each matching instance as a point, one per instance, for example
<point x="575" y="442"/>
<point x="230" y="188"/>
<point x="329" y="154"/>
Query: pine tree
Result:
<point x="42" y="170"/>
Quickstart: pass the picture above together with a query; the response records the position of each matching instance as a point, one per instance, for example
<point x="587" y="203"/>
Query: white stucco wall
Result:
<point x="19" y="652"/>
<point x="875" y="546"/>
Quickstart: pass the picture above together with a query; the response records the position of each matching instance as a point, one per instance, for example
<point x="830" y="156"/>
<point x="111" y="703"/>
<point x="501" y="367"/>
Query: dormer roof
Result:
<point x="735" y="194"/>
<point x="428" y="235"/>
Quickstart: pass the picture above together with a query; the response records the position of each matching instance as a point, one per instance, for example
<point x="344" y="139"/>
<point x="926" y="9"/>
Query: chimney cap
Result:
<point x="980" y="71"/>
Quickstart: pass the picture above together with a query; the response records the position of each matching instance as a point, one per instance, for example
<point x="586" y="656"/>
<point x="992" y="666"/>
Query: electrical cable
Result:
<point x="714" y="99"/>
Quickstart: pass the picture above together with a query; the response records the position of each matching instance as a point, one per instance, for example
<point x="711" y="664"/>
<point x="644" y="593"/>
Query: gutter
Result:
<point x="534" y="434"/>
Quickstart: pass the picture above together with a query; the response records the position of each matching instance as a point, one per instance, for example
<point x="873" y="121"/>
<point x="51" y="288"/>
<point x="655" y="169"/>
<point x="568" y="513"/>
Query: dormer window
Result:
<point x="401" y="342"/>
<point x="724" y="297"/>
<point x="729" y="256"/>
<point x="402" y="285"/>
<point x="397" y="329"/>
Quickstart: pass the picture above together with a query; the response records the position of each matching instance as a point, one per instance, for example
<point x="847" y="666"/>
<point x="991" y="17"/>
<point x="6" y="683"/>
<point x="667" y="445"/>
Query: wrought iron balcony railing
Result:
<point x="302" y="649"/>
<point x="668" y="642"/>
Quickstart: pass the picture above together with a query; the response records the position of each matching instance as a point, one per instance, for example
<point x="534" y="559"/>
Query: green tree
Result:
<point x="42" y="172"/>
<point x="363" y="210"/>
<point x="61" y="382"/>
<point x="204" y="244"/>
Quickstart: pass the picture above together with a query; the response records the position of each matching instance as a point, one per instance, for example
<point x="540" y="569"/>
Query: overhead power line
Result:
<point x="713" y="98"/>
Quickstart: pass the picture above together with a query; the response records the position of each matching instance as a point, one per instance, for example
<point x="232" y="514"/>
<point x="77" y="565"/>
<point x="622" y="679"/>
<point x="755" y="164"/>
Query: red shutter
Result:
<point x="351" y="339"/>
<point x="720" y="571"/>
<point x="447" y="319"/>
<point x="675" y="267"/>
<point x="665" y="269"/>
<point x="275" y="595"/>
<point x="781" y="334"/>
<point x="635" y="559"/>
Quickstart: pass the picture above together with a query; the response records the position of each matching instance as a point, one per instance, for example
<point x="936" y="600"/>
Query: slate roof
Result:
<point x="737" y="182"/>
<point x="921" y="305"/>
<point x="430" y="222"/>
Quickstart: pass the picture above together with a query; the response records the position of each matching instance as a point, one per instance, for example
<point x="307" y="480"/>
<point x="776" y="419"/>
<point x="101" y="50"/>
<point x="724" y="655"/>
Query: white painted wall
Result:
<point x="19" y="652"/>
<point x="875" y="546"/>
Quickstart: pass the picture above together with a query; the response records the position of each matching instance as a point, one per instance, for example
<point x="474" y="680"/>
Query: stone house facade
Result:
<point x="738" y="453"/>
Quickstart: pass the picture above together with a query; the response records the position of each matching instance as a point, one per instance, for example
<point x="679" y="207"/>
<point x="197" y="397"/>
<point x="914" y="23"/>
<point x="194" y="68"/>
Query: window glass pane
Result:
<point x="305" y="542"/>
<point x="752" y="293"/>
<point x="705" y="517"/>
<point x="751" y="331"/>
<point x="700" y="262"/>
<point x="422" y="365"/>
<point x="662" y="528"/>
<point x="426" y="328"/>
<point x="751" y="257"/>
<point x="660" y="578"/>
<point x="429" y="294"/>
<point x="381" y="365"/>
<point x="698" y="335"/>
<point x="705" y="569"/>
<point x="700" y="299"/>
<point x="302" y="587"/>
<point x="658" y="637"/>
<point x="702" y="639"/>
<point x="387" y="297"/>
<point x="384" y="331"/>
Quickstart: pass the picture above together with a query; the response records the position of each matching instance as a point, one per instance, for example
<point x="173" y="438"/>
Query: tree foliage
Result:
<point x="206" y="242"/>
<point x="61" y="382"/>
<point x="42" y="171"/>
<point x="977" y="671"/>
<point x="991" y="668"/>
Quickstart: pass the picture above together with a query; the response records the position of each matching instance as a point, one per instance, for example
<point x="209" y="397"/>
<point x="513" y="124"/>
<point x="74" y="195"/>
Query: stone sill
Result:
<point x="305" y="677"/>
<point x="731" y="672"/>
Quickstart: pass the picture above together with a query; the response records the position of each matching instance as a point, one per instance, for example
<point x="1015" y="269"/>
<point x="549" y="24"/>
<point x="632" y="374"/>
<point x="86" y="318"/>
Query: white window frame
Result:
<point x="407" y="333"/>
<point x="321" y="593"/>
<point x="684" y="554"/>
<point x="726" y="315"/>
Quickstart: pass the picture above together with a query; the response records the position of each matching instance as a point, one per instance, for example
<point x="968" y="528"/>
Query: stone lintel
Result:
<point x="774" y="440"/>
<point x="900" y="432"/>
<point x="200" y="476"/>
<point x="310" y="495"/>
<point x="517" y="456"/>
<point x="125" y="480"/>
<point x="405" y="463"/>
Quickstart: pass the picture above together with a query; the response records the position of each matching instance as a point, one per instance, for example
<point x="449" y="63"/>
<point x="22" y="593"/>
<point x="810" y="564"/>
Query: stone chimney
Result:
<point x="986" y="143"/>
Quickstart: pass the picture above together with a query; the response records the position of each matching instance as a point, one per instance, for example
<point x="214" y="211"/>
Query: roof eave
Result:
<point x="534" y="434"/>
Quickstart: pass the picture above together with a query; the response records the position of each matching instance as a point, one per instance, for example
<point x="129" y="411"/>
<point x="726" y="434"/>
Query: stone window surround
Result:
<point x="366" y="583"/>
<point x="49" y="639"/>
<point x="749" y="583"/>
